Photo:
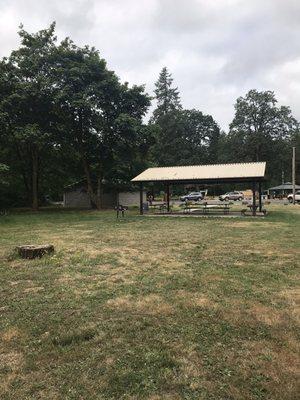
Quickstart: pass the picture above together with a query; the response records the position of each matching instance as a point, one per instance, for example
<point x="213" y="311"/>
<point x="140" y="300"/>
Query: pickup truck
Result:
<point x="297" y="197"/>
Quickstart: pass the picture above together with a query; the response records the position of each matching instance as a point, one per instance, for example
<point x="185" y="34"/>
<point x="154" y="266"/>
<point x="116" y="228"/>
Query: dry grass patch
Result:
<point x="151" y="305"/>
<point x="255" y="314"/>
<point x="190" y="299"/>
<point x="292" y="296"/>
<point x="10" y="334"/>
<point x="11" y="362"/>
<point x="33" y="289"/>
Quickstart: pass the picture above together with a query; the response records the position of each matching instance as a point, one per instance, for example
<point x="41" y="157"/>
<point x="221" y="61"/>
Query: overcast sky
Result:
<point x="216" y="49"/>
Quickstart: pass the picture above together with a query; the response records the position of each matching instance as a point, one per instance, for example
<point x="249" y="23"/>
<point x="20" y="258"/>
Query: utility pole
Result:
<point x="294" y="173"/>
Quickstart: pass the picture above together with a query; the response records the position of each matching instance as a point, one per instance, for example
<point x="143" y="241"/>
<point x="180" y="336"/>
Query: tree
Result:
<point x="3" y="170"/>
<point x="261" y="131"/>
<point x="100" y="118"/>
<point x="167" y="97"/>
<point x="166" y="117"/>
<point x="200" y="138"/>
<point x="26" y="104"/>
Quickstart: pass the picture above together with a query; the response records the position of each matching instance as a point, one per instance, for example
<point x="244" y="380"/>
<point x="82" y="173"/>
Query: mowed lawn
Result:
<point x="150" y="307"/>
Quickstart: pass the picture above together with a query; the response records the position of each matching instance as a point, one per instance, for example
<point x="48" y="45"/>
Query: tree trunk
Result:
<point x="91" y="193"/>
<point x="99" y="192"/>
<point x="25" y="177"/>
<point x="99" y="187"/>
<point x="35" y="162"/>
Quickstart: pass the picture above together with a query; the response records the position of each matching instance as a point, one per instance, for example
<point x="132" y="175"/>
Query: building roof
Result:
<point x="214" y="172"/>
<point x="285" y="186"/>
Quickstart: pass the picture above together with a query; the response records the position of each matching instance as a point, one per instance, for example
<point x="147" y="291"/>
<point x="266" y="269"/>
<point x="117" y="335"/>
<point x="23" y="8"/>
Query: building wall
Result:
<point x="109" y="200"/>
<point x="78" y="198"/>
<point x="131" y="198"/>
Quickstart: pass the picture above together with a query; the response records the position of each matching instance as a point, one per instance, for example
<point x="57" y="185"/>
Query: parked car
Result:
<point x="232" y="196"/>
<point x="193" y="196"/>
<point x="297" y="197"/>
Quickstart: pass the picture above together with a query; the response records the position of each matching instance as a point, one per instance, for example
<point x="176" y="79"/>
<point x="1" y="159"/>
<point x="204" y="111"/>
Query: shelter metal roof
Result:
<point x="285" y="186"/>
<point x="239" y="171"/>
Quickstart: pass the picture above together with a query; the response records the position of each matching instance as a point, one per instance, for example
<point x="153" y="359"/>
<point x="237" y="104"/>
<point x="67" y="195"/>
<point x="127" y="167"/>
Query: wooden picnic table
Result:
<point x="159" y="206"/>
<point x="251" y="206"/>
<point x="156" y="205"/>
<point x="206" y="208"/>
<point x="162" y="207"/>
<point x="255" y="208"/>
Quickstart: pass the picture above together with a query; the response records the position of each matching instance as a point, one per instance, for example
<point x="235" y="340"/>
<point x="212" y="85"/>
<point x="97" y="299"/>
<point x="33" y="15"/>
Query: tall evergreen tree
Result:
<point x="184" y="137"/>
<point x="167" y="97"/>
<point x="166" y="116"/>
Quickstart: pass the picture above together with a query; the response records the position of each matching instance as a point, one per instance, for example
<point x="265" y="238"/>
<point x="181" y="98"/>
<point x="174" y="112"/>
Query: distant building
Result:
<point x="283" y="189"/>
<point x="76" y="196"/>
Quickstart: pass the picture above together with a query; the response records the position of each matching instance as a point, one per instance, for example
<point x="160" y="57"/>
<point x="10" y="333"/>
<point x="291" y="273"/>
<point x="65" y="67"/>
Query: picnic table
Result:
<point x="253" y="207"/>
<point x="216" y="207"/>
<point x="206" y="207"/>
<point x="162" y="207"/>
<point x="156" y="205"/>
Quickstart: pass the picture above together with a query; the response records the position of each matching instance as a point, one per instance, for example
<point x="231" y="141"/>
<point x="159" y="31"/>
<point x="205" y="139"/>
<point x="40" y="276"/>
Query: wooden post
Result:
<point x="294" y="174"/>
<point x="168" y="197"/>
<point x="141" y="199"/>
<point x="259" y="198"/>
<point x="253" y="199"/>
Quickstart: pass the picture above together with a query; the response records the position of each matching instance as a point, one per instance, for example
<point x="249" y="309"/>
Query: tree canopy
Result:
<point x="65" y="117"/>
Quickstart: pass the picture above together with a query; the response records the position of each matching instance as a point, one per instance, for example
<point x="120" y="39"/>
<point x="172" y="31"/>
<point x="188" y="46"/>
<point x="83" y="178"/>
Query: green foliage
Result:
<point x="64" y="115"/>
<point x="184" y="137"/>
<point x="26" y="107"/>
<point x="262" y="131"/>
<point x="167" y="97"/>
<point x="100" y="118"/>
<point x="3" y="172"/>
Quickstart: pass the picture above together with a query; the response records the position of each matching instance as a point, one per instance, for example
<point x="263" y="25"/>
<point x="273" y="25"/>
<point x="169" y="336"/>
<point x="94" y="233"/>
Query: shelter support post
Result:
<point x="168" y="197"/>
<point x="141" y="198"/>
<point x="253" y="199"/>
<point x="259" y="197"/>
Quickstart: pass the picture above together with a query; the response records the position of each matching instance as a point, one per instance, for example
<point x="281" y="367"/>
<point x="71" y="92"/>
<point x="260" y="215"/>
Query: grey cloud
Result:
<point x="216" y="50"/>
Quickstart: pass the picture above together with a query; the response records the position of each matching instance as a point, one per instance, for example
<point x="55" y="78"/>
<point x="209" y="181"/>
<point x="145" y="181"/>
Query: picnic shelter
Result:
<point x="252" y="173"/>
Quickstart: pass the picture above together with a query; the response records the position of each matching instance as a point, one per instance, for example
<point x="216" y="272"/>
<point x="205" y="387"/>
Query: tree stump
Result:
<point x="31" y="251"/>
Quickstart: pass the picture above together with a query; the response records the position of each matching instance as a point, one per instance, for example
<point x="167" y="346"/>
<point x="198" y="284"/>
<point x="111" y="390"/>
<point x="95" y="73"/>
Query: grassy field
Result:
<point x="150" y="308"/>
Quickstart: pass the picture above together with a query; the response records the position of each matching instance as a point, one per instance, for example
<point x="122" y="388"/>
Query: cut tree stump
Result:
<point x="31" y="251"/>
